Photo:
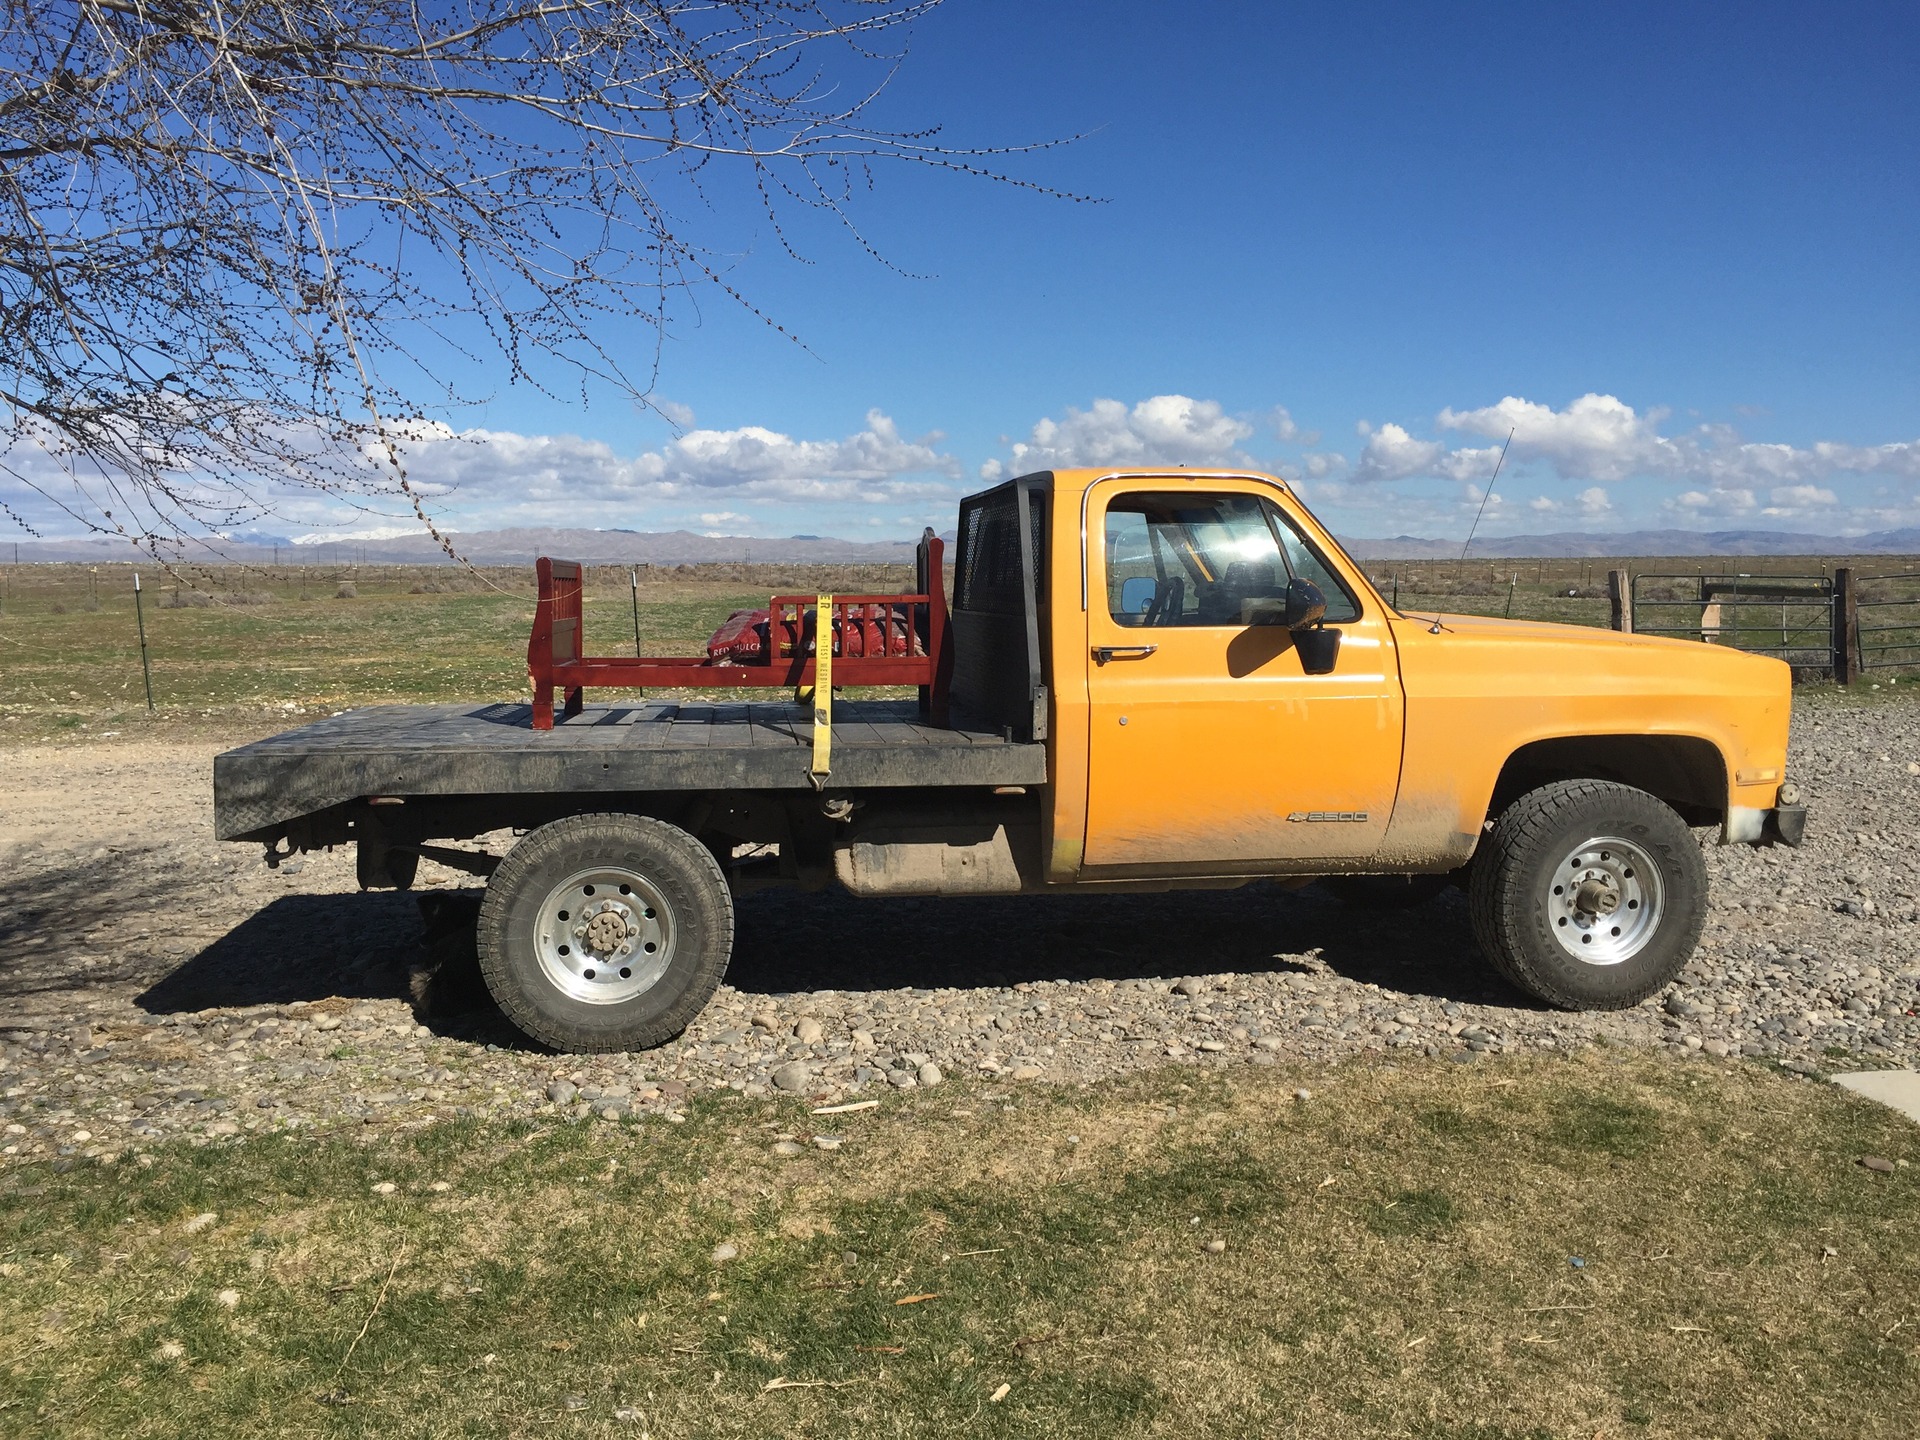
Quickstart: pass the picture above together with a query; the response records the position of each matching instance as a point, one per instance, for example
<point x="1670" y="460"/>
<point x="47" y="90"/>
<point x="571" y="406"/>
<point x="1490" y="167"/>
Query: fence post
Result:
<point x="1619" y="600"/>
<point x="1846" y="619"/>
<point x="140" y="619"/>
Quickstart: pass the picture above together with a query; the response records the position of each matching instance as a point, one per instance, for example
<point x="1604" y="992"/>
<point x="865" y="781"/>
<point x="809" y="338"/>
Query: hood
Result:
<point x="1586" y="658"/>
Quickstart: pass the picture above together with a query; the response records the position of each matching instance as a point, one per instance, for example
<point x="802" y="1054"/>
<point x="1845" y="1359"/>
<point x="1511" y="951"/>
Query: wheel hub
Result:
<point x="1595" y="897"/>
<point x="609" y="930"/>
<point x="605" y="935"/>
<point x="1604" y="900"/>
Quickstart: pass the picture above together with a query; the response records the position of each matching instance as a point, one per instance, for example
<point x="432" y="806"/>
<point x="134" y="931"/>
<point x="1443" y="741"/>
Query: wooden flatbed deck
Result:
<point x="478" y="750"/>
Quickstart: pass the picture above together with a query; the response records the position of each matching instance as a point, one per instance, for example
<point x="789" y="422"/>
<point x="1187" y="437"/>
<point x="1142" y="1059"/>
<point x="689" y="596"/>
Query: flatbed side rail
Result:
<point x="877" y="640"/>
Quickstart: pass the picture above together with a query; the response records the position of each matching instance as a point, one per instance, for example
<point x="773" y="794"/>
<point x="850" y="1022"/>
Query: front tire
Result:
<point x="605" y="932"/>
<point x="1589" y="895"/>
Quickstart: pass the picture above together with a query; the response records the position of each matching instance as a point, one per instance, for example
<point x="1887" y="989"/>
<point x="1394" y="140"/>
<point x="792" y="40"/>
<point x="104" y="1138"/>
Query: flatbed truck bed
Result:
<point x="402" y="752"/>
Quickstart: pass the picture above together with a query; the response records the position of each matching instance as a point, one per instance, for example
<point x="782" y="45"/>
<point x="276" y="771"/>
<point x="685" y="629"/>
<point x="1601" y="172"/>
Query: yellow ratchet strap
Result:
<point x="822" y="691"/>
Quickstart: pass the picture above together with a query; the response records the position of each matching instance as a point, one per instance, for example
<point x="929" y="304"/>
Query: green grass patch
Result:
<point x="1416" y="1212"/>
<point x="1584" y="1121"/>
<point x="1161" y="1255"/>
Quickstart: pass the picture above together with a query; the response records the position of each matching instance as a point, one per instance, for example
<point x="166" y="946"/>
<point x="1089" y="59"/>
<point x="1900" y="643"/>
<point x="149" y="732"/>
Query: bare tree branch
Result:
<point x="232" y="232"/>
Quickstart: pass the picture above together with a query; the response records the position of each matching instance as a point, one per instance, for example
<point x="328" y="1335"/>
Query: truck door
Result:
<point x="1211" y="749"/>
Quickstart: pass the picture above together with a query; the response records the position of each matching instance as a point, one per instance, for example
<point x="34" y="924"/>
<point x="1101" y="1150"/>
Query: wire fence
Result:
<point x="1790" y="617"/>
<point x="1887" y="623"/>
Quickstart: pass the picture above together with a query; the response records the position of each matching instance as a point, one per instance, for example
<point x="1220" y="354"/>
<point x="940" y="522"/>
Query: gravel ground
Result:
<point x="156" y="983"/>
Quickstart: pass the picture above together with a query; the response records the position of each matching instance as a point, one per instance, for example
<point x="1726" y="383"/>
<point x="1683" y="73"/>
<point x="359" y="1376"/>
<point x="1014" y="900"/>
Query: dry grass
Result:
<point x="224" y="644"/>
<point x="1398" y="1261"/>
<point x="227" y="644"/>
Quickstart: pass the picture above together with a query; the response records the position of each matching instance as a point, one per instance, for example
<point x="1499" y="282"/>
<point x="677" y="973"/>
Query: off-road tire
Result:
<point x="1511" y="890"/>
<point x="673" y="863"/>
<point x="1384" y="892"/>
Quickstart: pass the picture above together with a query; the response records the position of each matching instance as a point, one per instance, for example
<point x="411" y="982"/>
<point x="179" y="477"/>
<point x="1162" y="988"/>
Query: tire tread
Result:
<point x="612" y="830"/>
<point x="1498" y="914"/>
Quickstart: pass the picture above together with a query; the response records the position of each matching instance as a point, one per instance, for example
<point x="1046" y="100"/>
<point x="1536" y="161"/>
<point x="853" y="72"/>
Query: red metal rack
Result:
<point x="878" y="640"/>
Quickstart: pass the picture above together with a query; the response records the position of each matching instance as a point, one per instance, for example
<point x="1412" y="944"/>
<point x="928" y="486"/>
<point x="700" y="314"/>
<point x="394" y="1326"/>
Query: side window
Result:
<point x="1307" y="564"/>
<point x="1185" y="559"/>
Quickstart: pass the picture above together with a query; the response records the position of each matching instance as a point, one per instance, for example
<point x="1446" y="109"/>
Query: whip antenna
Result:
<point x="1485" y="496"/>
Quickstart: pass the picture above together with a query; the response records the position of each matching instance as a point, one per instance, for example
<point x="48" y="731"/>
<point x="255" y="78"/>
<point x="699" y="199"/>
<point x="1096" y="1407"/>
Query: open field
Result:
<point x="1610" y="1244"/>
<point x="228" y="640"/>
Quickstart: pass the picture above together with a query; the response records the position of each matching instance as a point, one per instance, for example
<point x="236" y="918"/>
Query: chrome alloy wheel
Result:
<point x="604" y="936"/>
<point x="1604" y="900"/>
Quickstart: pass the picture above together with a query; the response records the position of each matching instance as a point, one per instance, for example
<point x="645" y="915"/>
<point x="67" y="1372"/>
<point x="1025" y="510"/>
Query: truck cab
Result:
<point x="1199" y="729"/>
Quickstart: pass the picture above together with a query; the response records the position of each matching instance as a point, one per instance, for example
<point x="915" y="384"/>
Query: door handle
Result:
<point x="1104" y="653"/>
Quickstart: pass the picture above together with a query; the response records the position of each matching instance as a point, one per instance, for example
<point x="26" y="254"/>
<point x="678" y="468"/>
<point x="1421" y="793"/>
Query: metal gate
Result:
<point x="1887" y="627"/>
<point x="1795" y="618"/>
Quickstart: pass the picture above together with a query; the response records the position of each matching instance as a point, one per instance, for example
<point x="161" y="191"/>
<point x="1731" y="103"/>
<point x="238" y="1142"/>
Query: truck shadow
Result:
<point x="787" y="943"/>
<point x="299" y="947"/>
<point x="359" y="946"/>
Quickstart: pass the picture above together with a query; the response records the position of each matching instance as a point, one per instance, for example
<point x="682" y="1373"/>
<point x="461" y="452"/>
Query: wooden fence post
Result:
<point x="1619" y="600"/>
<point x="1846" y="621"/>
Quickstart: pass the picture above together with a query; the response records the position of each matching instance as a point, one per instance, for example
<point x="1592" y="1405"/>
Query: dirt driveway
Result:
<point x="153" y="980"/>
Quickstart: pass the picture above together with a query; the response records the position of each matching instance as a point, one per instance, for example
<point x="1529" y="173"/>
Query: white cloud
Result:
<point x="1392" y="454"/>
<point x="550" y="472"/>
<point x="1602" y="438"/>
<point x="1597" y="437"/>
<point x="1160" y="430"/>
<point x="1470" y="464"/>
<point x="1618" y="465"/>
<point x="1802" y="495"/>
<point x="488" y="478"/>
<point x="1719" y="503"/>
<point x="673" y="412"/>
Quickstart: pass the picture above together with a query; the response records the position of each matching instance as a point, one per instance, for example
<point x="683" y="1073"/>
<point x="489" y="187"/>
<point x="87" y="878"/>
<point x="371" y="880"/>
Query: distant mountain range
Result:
<point x="683" y="547"/>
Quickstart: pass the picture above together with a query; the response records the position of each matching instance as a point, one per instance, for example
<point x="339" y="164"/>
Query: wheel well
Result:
<point x="1686" y="772"/>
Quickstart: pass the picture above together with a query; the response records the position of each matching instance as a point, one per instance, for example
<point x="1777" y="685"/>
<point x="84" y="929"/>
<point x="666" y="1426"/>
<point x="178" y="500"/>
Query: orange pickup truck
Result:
<point x="1146" y="680"/>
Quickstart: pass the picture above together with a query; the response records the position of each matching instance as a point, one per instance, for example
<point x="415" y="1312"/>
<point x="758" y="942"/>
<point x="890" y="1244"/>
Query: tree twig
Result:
<point x="367" y="1324"/>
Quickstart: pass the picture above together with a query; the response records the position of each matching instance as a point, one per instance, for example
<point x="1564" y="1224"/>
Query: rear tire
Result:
<point x="605" y="932"/>
<point x="1589" y="895"/>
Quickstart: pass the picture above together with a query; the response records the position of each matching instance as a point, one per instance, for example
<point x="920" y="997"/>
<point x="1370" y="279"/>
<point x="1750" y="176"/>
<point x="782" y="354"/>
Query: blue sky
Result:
<point x="1673" y="247"/>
